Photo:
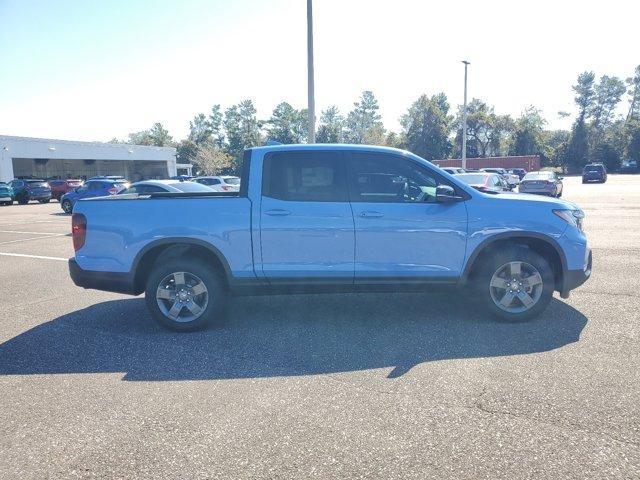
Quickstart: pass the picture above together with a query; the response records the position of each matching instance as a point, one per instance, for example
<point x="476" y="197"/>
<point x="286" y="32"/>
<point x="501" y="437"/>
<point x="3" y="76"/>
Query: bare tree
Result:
<point x="210" y="160"/>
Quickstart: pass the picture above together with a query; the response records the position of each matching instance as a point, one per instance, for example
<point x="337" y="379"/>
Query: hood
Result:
<point x="529" y="198"/>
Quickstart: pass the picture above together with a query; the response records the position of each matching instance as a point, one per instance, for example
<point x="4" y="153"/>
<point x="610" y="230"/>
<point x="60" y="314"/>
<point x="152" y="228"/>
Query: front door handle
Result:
<point x="370" y="214"/>
<point x="278" y="212"/>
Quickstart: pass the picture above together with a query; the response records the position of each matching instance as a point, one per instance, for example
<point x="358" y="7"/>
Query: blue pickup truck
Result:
<point x="326" y="218"/>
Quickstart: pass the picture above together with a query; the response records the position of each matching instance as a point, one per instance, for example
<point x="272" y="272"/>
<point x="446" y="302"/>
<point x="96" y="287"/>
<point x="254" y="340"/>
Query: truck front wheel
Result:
<point x="185" y="295"/>
<point x="516" y="284"/>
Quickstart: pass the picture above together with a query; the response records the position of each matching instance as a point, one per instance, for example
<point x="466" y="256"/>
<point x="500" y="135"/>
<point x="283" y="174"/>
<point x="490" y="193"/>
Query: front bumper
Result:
<point x="108" y="281"/>
<point x="574" y="278"/>
<point x="6" y="199"/>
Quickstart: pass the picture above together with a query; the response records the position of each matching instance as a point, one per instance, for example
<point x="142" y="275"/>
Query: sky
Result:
<point x="84" y="70"/>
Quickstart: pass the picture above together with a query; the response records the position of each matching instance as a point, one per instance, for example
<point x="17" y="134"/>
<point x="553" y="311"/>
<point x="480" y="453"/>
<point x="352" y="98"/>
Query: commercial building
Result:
<point x="47" y="158"/>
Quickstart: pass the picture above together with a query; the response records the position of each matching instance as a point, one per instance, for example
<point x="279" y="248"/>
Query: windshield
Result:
<point x="537" y="176"/>
<point x="473" y="179"/>
<point x="37" y="183"/>
<point x="231" y="180"/>
<point x="593" y="168"/>
<point x="191" y="187"/>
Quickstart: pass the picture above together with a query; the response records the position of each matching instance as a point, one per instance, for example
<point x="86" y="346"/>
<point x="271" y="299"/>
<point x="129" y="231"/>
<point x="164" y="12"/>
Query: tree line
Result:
<point x="429" y="128"/>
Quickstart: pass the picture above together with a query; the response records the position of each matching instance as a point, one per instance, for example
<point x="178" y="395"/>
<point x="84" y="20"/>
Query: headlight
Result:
<point x="572" y="217"/>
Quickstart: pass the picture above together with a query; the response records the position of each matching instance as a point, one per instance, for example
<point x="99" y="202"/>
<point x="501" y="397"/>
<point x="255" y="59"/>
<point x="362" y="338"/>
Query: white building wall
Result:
<point x="24" y="147"/>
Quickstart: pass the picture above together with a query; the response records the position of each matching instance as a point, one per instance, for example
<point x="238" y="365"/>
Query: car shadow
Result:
<point x="283" y="336"/>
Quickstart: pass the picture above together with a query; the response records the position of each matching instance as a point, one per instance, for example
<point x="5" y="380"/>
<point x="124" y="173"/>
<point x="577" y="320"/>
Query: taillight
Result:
<point x="78" y="230"/>
<point x="112" y="191"/>
<point x="225" y="188"/>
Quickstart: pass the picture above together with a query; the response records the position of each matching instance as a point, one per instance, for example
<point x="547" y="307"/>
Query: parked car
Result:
<point x="224" y="183"/>
<point x="594" y="172"/>
<point x="60" y="187"/>
<point x="6" y="194"/>
<point x="309" y="218"/>
<point x="93" y="188"/>
<point x="485" y="182"/>
<point x="543" y="183"/>
<point x="25" y="190"/>
<point x="629" y="166"/>
<point x="521" y="172"/>
<point x="454" y="170"/>
<point x="511" y="179"/>
<point x="168" y="186"/>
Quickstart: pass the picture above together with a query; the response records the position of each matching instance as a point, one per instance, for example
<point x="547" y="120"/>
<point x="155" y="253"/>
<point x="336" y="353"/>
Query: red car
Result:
<point x="485" y="182"/>
<point x="60" y="187"/>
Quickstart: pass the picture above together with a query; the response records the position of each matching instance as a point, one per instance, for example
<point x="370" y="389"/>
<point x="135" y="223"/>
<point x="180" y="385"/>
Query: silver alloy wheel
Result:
<point x="516" y="287"/>
<point x="182" y="297"/>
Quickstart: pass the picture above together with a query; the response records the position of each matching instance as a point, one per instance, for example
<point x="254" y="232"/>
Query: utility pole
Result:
<point x="464" y="118"/>
<point x="311" y="109"/>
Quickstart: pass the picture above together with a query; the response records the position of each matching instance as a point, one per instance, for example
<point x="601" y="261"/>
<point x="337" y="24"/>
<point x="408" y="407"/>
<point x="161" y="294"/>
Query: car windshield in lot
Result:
<point x="37" y="183"/>
<point x="473" y="178"/>
<point x="190" y="187"/>
<point x="537" y="176"/>
<point x="593" y="168"/>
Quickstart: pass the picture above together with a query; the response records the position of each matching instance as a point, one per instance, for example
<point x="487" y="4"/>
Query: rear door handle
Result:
<point x="278" y="212"/>
<point x="370" y="214"/>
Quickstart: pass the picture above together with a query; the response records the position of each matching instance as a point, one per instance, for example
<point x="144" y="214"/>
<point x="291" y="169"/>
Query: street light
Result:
<point x="311" y="109"/>
<point x="464" y="118"/>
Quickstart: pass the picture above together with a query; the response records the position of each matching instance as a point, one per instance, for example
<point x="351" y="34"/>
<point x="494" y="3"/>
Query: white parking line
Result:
<point x="31" y="233"/>
<point x="33" y="238"/>
<point x="32" y="256"/>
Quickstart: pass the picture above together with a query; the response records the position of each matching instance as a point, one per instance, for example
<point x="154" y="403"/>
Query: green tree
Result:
<point x="242" y="129"/>
<point x="211" y="160"/>
<point x="287" y="125"/>
<point x="216" y="119"/>
<point x="487" y="132"/>
<point x="186" y="151"/>
<point x="200" y="129"/>
<point x="426" y="127"/>
<point x="578" y="147"/>
<point x="364" y="123"/>
<point x="633" y="84"/>
<point x="632" y="130"/>
<point x="331" y="127"/>
<point x="528" y="134"/>
<point x="585" y="92"/>
<point x="608" y="93"/>
<point x="157" y="136"/>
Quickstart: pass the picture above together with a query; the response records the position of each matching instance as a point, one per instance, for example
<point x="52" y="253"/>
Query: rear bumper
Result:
<point x="108" y="281"/>
<point x="574" y="278"/>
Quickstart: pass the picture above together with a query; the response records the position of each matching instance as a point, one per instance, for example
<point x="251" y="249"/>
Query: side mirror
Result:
<point x="446" y="194"/>
<point x="560" y="178"/>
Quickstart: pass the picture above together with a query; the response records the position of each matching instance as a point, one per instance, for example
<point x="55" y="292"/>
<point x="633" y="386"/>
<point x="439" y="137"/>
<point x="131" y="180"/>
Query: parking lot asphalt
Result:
<point x="321" y="386"/>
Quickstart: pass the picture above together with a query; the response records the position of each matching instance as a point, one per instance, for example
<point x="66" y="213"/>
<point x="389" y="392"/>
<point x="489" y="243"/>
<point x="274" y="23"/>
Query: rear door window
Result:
<point x="305" y="176"/>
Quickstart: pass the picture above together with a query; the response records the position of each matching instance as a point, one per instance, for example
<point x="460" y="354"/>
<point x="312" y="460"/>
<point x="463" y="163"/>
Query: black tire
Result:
<point x="46" y="200"/>
<point x="66" y="206"/>
<point x="560" y="194"/>
<point x="216" y="292"/>
<point x="495" y="262"/>
<point x="23" y="200"/>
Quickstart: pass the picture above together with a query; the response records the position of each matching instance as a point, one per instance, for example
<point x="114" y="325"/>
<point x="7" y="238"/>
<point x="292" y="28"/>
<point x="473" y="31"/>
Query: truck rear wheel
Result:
<point x="516" y="284"/>
<point x="185" y="295"/>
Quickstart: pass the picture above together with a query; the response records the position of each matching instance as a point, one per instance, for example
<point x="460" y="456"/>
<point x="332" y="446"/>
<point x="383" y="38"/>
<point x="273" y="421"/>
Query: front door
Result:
<point x="306" y="224"/>
<point x="401" y="232"/>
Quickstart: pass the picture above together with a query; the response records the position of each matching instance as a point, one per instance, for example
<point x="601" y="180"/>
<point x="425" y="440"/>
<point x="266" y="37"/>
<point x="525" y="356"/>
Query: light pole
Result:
<point x="464" y="118"/>
<point x="311" y="109"/>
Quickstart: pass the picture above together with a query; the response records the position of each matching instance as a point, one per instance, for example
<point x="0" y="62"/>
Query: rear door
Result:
<point x="401" y="232"/>
<point x="306" y="224"/>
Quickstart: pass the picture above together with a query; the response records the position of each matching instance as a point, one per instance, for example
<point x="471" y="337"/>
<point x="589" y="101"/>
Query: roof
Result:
<point x="329" y="146"/>
<point x="14" y="138"/>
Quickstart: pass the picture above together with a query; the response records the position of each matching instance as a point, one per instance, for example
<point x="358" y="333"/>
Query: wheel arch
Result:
<point x="544" y="245"/>
<point x="175" y="246"/>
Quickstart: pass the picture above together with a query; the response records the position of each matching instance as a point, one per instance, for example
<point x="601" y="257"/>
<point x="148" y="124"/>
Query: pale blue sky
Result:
<point x="94" y="70"/>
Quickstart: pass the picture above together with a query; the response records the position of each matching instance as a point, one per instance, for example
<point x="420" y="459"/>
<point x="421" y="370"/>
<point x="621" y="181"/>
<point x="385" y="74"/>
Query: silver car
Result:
<point x="542" y="183"/>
